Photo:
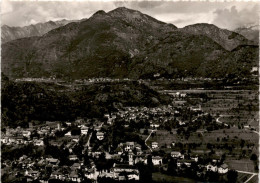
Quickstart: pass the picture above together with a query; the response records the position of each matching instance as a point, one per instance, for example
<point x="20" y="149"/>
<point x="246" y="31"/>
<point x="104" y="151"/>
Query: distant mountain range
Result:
<point x="127" y="43"/>
<point x="12" y="33"/>
<point x="250" y="32"/>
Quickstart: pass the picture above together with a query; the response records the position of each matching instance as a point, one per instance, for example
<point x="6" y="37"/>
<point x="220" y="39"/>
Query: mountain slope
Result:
<point x="228" y="39"/>
<point x="121" y="43"/>
<point x="12" y="33"/>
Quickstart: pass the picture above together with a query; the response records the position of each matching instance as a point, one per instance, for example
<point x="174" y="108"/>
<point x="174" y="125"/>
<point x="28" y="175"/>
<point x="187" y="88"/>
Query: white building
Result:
<point x="100" y="135"/>
<point x="157" y="160"/>
<point x="39" y="143"/>
<point x="84" y="130"/>
<point x="212" y="168"/>
<point x="154" y="145"/>
<point x="223" y="169"/>
<point x="176" y="154"/>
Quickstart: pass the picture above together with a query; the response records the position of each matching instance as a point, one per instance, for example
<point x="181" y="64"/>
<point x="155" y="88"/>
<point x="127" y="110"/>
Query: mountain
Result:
<point x="228" y="39"/>
<point x="125" y="43"/>
<point x="12" y="33"/>
<point x="249" y="32"/>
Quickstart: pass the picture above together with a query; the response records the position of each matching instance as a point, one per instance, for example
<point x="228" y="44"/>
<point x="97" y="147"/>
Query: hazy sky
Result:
<point x="228" y="15"/>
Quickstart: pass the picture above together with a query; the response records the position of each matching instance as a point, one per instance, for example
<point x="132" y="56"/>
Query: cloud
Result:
<point x="233" y="18"/>
<point x="183" y="19"/>
<point x="21" y="13"/>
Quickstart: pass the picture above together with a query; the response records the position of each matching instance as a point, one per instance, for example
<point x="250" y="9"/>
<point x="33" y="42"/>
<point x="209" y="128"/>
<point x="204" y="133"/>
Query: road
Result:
<point x="247" y="128"/>
<point x="147" y="139"/>
<point x="218" y="121"/>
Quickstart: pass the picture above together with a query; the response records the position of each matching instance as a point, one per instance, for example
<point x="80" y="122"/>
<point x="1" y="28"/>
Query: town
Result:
<point x="133" y="144"/>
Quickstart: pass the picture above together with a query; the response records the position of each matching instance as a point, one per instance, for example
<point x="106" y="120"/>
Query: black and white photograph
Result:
<point x="102" y="91"/>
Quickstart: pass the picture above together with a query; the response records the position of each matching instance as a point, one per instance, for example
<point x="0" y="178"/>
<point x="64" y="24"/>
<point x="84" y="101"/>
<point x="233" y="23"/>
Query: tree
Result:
<point x="253" y="157"/>
<point x="75" y="130"/>
<point x="232" y="176"/>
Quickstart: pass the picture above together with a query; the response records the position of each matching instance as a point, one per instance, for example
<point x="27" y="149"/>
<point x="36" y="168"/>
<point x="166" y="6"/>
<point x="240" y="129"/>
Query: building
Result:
<point x="39" y="143"/>
<point x="154" y="145"/>
<point x="176" y="154"/>
<point x="223" y="169"/>
<point x="212" y="168"/>
<point x="154" y="125"/>
<point x="130" y="157"/>
<point x="100" y="135"/>
<point x="33" y="174"/>
<point x="157" y="160"/>
<point x="73" y="157"/>
<point x="26" y="134"/>
<point x="131" y="171"/>
<point x="84" y="130"/>
<point x="68" y="133"/>
<point x="129" y="146"/>
<point x="73" y="176"/>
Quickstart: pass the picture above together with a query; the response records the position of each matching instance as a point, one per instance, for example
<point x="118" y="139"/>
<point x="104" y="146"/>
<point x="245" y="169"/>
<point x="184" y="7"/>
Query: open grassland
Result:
<point x="255" y="179"/>
<point x="241" y="165"/>
<point x="159" y="177"/>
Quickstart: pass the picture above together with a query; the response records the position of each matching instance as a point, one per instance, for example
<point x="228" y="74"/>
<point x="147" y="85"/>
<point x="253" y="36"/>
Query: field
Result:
<point x="237" y="107"/>
<point x="158" y="177"/>
<point x="241" y="165"/>
<point x="242" y="177"/>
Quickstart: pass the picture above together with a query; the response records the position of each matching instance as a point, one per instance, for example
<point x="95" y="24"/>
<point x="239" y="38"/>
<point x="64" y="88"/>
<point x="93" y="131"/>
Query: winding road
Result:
<point x="147" y="139"/>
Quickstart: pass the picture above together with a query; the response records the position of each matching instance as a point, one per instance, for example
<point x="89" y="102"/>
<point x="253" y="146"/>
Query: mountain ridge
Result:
<point x="10" y="33"/>
<point x="125" y="43"/>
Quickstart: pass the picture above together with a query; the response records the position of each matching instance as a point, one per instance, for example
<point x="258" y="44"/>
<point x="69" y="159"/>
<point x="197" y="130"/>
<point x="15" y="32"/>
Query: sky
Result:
<point x="228" y="15"/>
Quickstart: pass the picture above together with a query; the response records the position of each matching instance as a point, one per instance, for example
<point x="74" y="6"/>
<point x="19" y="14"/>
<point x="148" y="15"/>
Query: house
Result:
<point x="5" y="139"/>
<point x="196" y="108"/>
<point x="139" y="151"/>
<point x="131" y="171"/>
<point x="68" y="123"/>
<point x="58" y="175"/>
<point x="76" y="166"/>
<point x="39" y="143"/>
<point x="181" y="123"/>
<point x="73" y="157"/>
<point x="195" y="158"/>
<point x="84" y="130"/>
<point x="133" y="176"/>
<point x="100" y="135"/>
<point x="32" y="173"/>
<point x="176" y="154"/>
<point x="68" y="134"/>
<point x="140" y="158"/>
<point x="212" y="168"/>
<point x="254" y="69"/>
<point x="75" y="138"/>
<point x="157" y="160"/>
<point x="19" y="139"/>
<point x="52" y="161"/>
<point x="129" y="146"/>
<point x="183" y="95"/>
<point x="73" y="176"/>
<point x="154" y="145"/>
<point x="223" y="169"/>
<point x="215" y="158"/>
<point x="186" y="162"/>
<point x="26" y="133"/>
<point x="90" y="173"/>
<point x="154" y="125"/>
